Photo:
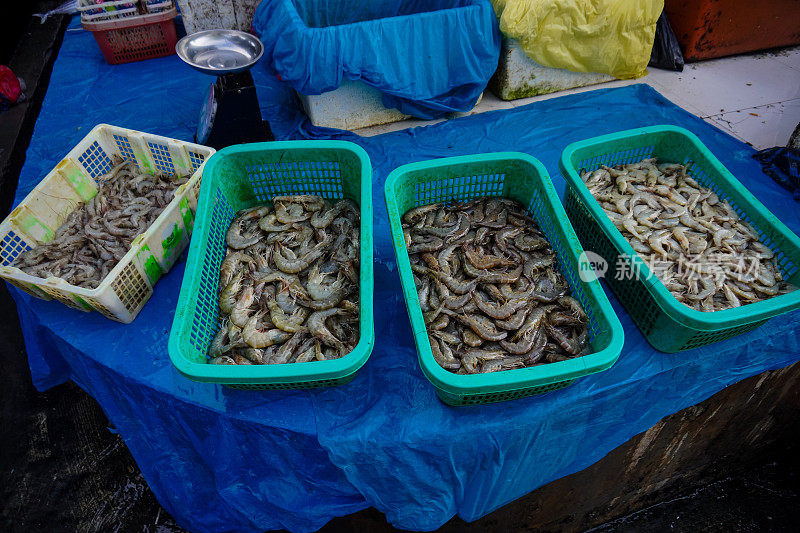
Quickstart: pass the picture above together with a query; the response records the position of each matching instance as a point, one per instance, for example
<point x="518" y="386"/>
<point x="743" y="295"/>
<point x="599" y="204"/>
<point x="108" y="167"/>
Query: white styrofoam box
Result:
<point x="519" y="76"/>
<point x="351" y="106"/>
<point x="127" y="287"/>
<point x="199" y="15"/>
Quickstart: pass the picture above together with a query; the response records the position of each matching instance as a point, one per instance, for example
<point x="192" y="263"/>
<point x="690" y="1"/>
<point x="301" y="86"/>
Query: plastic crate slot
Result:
<point x="287" y="386"/>
<point x="125" y="148"/>
<point x="704" y="338"/>
<point x="13" y="245"/>
<point x="615" y="158"/>
<point x="298" y="177"/>
<point x="161" y="157"/>
<point x="64" y="298"/>
<point x="100" y="307"/>
<point x="137" y="42"/>
<point x="477" y="399"/>
<point x="196" y="159"/>
<point x="565" y="264"/>
<point x="196" y="188"/>
<point x="95" y="161"/>
<point x="461" y="188"/>
<point x="131" y="288"/>
<point x="204" y="323"/>
<point x="628" y="291"/>
<point x="30" y="289"/>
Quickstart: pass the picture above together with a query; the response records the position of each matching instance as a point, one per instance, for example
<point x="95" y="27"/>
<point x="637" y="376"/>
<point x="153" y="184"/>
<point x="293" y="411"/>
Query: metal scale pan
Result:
<point x="230" y="113"/>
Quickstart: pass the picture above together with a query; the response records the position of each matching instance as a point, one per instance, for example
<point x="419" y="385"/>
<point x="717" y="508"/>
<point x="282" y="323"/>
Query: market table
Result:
<point x="223" y="459"/>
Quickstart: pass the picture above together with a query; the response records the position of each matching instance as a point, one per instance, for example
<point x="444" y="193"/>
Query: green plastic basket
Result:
<point x="669" y="325"/>
<point x="522" y="178"/>
<point x="242" y="176"/>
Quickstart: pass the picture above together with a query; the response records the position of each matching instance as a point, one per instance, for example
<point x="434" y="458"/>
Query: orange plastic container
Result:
<point x="716" y="28"/>
<point x="136" y="37"/>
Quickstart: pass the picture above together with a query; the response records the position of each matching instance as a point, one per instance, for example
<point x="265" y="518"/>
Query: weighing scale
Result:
<point x="230" y="112"/>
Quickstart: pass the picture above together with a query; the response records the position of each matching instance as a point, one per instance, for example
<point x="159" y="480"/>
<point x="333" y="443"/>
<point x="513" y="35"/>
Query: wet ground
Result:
<point x="764" y="498"/>
<point x="61" y="465"/>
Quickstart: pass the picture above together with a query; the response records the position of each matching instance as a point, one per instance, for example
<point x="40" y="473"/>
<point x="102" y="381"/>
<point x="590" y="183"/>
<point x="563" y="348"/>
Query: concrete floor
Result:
<point x="754" y="97"/>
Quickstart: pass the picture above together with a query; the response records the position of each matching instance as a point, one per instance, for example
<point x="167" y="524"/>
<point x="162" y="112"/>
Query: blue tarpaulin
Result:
<point x="222" y="459"/>
<point x="427" y="57"/>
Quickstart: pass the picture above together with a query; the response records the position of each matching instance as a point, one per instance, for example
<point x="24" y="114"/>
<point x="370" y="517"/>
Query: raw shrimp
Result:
<point x="288" y="288"/>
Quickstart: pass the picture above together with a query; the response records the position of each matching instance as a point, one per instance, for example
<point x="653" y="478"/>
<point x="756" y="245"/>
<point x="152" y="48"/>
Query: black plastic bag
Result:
<point x="666" y="52"/>
<point x="782" y="165"/>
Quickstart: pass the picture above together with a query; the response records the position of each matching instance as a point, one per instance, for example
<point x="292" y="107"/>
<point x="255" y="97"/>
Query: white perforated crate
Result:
<point x="124" y="291"/>
<point x="99" y="11"/>
<point x="354" y="105"/>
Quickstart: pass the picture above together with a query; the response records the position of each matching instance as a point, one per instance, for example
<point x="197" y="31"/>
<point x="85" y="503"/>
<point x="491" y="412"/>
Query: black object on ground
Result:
<point x="666" y="51"/>
<point x="231" y="114"/>
<point x="783" y="166"/>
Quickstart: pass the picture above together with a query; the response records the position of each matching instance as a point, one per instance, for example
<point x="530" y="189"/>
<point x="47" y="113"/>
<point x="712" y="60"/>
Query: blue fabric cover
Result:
<point x="427" y="57"/>
<point x="221" y="459"/>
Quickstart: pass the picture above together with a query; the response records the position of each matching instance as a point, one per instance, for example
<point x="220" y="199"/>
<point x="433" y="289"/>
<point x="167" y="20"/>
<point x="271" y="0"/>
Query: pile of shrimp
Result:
<point x="288" y="286"/>
<point x="697" y="245"/>
<point x="492" y="294"/>
<point x="98" y="234"/>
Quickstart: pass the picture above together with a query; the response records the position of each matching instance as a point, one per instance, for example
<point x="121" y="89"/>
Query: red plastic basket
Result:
<point x="136" y="37"/>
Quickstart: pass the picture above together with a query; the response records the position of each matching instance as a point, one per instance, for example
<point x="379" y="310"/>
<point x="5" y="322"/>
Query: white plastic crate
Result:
<point x="92" y="11"/>
<point x="519" y="76"/>
<point x="354" y="105"/>
<point x="124" y="291"/>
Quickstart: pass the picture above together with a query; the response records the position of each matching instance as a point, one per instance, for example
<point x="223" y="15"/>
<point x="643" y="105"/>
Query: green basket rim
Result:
<point x="287" y="373"/>
<point x="677" y="311"/>
<point x="522" y="378"/>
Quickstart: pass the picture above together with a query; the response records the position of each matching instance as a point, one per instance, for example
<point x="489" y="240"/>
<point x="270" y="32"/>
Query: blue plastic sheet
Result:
<point x="427" y="57"/>
<point x="221" y="459"/>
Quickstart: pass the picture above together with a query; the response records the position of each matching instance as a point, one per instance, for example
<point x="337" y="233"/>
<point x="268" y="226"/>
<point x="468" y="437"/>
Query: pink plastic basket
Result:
<point x="134" y="38"/>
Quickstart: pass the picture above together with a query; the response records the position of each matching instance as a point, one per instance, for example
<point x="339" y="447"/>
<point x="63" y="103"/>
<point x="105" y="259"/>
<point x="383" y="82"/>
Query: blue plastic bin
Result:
<point x="427" y="57"/>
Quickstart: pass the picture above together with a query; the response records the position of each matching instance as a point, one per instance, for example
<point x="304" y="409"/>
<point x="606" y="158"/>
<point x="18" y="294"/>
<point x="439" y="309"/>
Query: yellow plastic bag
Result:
<point x="607" y="36"/>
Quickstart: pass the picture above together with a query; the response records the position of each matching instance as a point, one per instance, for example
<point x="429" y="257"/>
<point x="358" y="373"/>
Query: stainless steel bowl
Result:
<point x="220" y="51"/>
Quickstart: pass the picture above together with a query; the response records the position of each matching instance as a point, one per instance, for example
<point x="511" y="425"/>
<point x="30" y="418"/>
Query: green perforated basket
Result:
<point x="242" y="176"/>
<point x="522" y="178"/>
<point x="669" y="325"/>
